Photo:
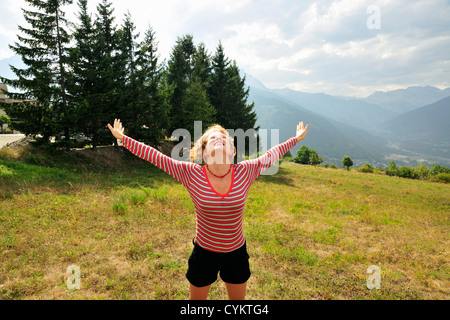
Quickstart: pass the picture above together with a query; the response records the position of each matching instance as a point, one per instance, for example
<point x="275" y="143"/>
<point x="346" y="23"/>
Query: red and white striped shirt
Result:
<point x="219" y="216"/>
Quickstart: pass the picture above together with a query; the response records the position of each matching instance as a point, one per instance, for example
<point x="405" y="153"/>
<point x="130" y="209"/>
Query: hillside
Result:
<point x="331" y="139"/>
<point x="355" y="113"/>
<point x="345" y="126"/>
<point x="423" y="130"/>
<point x="312" y="232"/>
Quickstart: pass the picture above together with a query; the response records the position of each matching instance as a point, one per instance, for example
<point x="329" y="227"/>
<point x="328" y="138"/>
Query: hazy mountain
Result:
<point x="356" y="113"/>
<point x="425" y="130"/>
<point x="334" y="133"/>
<point x="331" y="139"/>
<point x="404" y="100"/>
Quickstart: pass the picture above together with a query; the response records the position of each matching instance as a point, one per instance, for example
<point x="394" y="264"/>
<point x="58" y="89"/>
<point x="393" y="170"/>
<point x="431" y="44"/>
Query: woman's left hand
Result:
<point x="301" y="131"/>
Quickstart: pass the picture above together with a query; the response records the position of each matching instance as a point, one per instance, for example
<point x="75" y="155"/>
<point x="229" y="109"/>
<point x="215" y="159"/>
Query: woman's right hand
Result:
<point x="117" y="131"/>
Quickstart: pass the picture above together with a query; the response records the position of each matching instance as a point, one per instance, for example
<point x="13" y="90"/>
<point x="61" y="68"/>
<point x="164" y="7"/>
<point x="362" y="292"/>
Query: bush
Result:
<point x="422" y="171"/>
<point x="302" y="155"/>
<point x="366" y="168"/>
<point x="437" y="172"/>
<point x="392" y="169"/>
<point x="307" y="156"/>
<point x="442" y="177"/>
<point x="406" y="172"/>
<point x="436" y="169"/>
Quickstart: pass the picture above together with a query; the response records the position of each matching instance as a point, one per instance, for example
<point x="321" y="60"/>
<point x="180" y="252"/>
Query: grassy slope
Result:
<point x="312" y="232"/>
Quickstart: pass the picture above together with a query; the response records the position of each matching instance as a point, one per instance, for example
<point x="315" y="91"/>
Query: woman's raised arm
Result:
<point x="180" y="170"/>
<point x="256" y="166"/>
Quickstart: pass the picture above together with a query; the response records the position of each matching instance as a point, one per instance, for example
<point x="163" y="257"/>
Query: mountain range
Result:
<point x="369" y="130"/>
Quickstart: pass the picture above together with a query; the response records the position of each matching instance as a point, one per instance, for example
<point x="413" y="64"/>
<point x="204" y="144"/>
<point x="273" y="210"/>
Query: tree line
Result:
<point x="81" y="75"/>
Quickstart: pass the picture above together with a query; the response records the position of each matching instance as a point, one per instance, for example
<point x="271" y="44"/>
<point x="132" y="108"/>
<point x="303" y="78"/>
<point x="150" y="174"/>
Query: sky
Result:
<point x="341" y="47"/>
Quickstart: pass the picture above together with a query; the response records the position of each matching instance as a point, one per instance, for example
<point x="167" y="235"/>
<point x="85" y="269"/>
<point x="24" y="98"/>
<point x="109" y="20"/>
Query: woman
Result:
<point x="219" y="190"/>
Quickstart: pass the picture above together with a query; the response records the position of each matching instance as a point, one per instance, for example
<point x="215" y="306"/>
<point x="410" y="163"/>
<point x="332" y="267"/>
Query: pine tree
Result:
<point x="125" y="72"/>
<point x="228" y="94"/>
<point x="147" y="96"/>
<point x="110" y="77"/>
<point x="196" y="107"/>
<point x="239" y="113"/>
<point x="44" y="50"/>
<point x="179" y="72"/>
<point x="217" y="90"/>
<point x="85" y="75"/>
<point x="201" y="69"/>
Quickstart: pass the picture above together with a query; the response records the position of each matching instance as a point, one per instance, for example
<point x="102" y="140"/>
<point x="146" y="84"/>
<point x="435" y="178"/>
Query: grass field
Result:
<point x="312" y="232"/>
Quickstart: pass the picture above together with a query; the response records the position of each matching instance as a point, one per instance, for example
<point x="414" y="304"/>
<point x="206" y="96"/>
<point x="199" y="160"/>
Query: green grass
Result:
<point x="312" y="232"/>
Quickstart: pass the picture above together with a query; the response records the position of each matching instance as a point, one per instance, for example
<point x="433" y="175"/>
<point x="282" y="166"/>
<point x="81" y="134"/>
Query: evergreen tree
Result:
<point x="44" y="108"/>
<point x="228" y="94"/>
<point x="125" y="72"/>
<point x="196" y="107"/>
<point x="147" y="95"/>
<point x="84" y="59"/>
<point x="218" y="86"/>
<point x="239" y="113"/>
<point x="179" y="75"/>
<point x="109" y="76"/>
<point x="201" y="69"/>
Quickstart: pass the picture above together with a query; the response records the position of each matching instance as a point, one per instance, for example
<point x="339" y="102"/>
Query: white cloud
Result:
<point x="315" y="45"/>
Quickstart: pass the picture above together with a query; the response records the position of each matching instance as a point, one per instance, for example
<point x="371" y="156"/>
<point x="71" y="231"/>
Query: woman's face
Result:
<point x="218" y="144"/>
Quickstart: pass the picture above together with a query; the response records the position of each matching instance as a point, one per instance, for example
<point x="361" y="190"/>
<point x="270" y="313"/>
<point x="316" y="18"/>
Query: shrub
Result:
<point x="366" y="168"/>
<point x="422" y="171"/>
<point x="392" y="169"/>
<point x="406" y="172"/>
<point x="441" y="177"/>
<point x="307" y="156"/>
<point x="436" y="169"/>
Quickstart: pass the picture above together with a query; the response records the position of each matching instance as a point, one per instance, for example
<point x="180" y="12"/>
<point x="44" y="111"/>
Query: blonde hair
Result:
<point x="200" y="144"/>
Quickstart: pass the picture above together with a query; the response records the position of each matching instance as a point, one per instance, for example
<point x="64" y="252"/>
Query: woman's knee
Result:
<point x="198" y="293"/>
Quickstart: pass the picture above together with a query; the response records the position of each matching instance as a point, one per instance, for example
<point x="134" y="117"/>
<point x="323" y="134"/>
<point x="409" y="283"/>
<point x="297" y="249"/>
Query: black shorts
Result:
<point x="204" y="265"/>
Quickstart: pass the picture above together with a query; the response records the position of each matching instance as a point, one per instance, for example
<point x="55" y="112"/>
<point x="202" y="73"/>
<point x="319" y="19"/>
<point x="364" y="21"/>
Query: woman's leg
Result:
<point x="198" y="293"/>
<point x="236" y="291"/>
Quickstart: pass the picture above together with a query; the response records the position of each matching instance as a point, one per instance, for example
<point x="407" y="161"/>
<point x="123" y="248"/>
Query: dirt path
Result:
<point x="8" y="138"/>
